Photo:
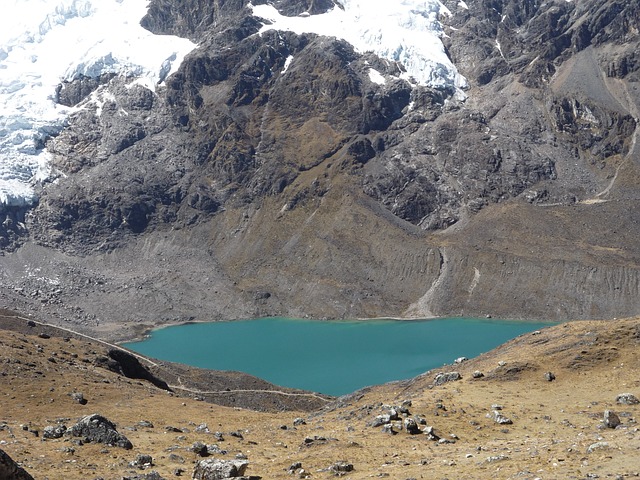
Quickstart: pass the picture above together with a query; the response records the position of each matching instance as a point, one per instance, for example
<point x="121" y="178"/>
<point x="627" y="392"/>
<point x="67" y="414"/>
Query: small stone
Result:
<point x="54" y="431"/>
<point x="627" y="399"/>
<point x="388" y="428"/>
<point x="176" y="458"/>
<point x="299" y="421"/>
<point x="501" y="419"/>
<point x="430" y="433"/>
<point x="411" y="426"/>
<point x="78" y="398"/>
<point x="199" y="448"/>
<point x="442" y="378"/>
<point x="215" y="449"/>
<point x="549" y="377"/>
<point x="460" y="360"/>
<point x="446" y="441"/>
<point x="611" y="419"/>
<point x="497" y="458"/>
<point x="339" y="467"/>
<point x="597" y="446"/>
<point x="477" y="374"/>
<point x="202" y="428"/>
<point x="142" y="461"/>
<point x="380" y="420"/>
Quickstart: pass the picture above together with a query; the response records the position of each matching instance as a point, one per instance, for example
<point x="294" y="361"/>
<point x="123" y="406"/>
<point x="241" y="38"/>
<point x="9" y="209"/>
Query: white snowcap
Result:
<point x="43" y="42"/>
<point x="404" y="31"/>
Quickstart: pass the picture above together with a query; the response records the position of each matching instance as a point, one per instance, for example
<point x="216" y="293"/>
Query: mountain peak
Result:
<point x="45" y="42"/>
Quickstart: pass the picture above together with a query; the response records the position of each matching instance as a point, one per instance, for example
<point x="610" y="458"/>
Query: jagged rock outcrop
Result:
<point x="96" y="428"/>
<point x="367" y="198"/>
<point x="10" y="470"/>
<point x="125" y="363"/>
<point x="217" y="469"/>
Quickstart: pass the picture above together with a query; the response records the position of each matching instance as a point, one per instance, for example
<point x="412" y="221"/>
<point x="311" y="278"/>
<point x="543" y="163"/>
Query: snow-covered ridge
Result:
<point x="404" y="31"/>
<point x="43" y="42"/>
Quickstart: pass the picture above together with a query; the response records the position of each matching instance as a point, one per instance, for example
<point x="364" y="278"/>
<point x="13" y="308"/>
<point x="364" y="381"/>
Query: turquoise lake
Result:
<point x="332" y="357"/>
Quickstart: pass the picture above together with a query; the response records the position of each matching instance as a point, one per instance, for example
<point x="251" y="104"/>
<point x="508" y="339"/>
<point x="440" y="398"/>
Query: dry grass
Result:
<point x="553" y="422"/>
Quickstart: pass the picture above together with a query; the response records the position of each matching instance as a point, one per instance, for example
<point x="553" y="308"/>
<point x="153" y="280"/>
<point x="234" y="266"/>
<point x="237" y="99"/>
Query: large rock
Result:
<point x="216" y="469"/>
<point x="611" y="419"/>
<point x="627" y="399"/>
<point x="96" y="428"/>
<point x="442" y="378"/>
<point x="10" y="470"/>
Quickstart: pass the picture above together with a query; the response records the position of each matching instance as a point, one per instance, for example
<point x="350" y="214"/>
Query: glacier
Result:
<point x="46" y="42"/>
<point x="408" y="32"/>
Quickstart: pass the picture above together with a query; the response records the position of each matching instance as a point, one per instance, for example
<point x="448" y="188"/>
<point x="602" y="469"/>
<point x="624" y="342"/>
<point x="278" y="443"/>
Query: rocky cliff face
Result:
<point x="253" y="184"/>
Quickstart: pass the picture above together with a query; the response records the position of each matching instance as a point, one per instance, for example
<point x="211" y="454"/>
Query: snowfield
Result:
<point x="44" y="42"/>
<point x="405" y="31"/>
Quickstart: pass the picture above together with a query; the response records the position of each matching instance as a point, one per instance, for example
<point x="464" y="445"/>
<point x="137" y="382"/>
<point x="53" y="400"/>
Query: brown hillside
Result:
<point x="554" y="422"/>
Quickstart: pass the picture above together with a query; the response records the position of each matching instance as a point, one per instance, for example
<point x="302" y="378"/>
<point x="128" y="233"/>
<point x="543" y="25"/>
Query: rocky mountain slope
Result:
<point x="273" y="173"/>
<point x="558" y="403"/>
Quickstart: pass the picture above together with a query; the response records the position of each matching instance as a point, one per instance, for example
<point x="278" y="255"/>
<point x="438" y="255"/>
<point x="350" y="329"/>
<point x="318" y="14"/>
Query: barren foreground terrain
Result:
<point x="557" y="428"/>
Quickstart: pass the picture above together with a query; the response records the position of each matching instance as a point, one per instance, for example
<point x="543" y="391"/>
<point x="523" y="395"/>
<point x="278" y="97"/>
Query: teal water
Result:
<point x="335" y="357"/>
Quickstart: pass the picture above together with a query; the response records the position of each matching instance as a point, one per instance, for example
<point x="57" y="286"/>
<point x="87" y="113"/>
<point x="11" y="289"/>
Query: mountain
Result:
<point x="312" y="158"/>
<point x="557" y="427"/>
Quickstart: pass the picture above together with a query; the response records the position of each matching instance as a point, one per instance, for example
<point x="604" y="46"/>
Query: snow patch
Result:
<point x="287" y="64"/>
<point x="45" y="42"/>
<point x="376" y="77"/>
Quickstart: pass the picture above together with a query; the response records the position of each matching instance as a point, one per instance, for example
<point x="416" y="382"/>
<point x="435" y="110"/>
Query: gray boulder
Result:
<point x="411" y="426"/>
<point x="142" y="461"/>
<point x="10" y="470"/>
<point x="199" y="448"/>
<point x="442" y="378"/>
<point x="611" y="419"/>
<point x="501" y="419"/>
<point x="597" y="446"/>
<point x="430" y="433"/>
<point x="388" y="428"/>
<point x="147" y="476"/>
<point x="627" y="399"/>
<point x="51" y="431"/>
<point x="380" y="420"/>
<point x="78" y="397"/>
<point x="341" y="467"/>
<point x="96" y="428"/>
<point x="215" y="469"/>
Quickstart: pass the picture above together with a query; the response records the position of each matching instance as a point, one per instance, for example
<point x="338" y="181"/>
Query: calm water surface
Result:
<point x="334" y="357"/>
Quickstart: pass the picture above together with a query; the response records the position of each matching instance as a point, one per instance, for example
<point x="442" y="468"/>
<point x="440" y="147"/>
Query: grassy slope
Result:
<point x="554" y="422"/>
